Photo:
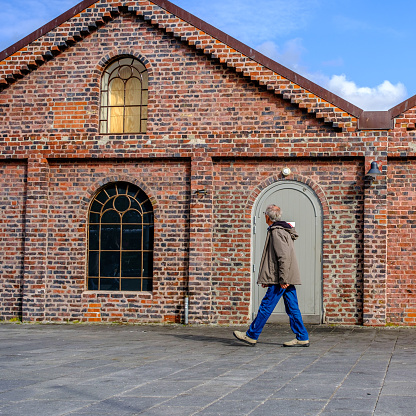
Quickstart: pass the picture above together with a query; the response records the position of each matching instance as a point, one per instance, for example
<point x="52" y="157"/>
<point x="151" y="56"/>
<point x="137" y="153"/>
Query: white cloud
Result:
<point x="381" y="97"/>
<point x="289" y="55"/>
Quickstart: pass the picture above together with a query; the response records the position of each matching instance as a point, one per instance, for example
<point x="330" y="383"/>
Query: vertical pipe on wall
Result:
<point x="186" y="309"/>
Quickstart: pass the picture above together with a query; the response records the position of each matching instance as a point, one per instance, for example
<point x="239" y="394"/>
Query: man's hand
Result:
<point x="282" y="285"/>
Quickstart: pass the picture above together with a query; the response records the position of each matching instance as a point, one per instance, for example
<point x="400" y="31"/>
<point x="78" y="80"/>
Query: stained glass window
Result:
<point x="124" y="95"/>
<point x="120" y="239"/>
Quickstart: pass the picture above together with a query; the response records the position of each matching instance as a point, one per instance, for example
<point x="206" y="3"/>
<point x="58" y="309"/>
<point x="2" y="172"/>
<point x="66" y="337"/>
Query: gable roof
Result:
<point x="18" y="59"/>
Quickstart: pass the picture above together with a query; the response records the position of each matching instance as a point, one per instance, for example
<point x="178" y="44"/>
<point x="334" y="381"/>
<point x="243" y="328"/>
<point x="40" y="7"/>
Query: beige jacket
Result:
<point x="278" y="263"/>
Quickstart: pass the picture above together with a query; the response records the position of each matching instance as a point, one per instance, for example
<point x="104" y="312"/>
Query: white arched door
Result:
<point x="299" y="205"/>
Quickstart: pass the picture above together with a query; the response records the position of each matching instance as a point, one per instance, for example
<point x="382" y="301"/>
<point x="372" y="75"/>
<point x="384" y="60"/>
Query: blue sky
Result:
<point x="360" y="50"/>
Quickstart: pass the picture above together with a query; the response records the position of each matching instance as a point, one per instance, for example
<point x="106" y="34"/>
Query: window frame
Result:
<point x="114" y="72"/>
<point x="128" y="201"/>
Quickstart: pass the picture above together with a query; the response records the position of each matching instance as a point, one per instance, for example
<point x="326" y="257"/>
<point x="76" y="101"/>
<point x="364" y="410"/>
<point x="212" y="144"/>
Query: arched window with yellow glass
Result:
<point x="120" y="239"/>
<point x="124" y="96"/>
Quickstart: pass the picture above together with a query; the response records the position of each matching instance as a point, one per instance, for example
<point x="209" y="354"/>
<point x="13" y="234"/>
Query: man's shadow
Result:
<point x="228" y="342"/>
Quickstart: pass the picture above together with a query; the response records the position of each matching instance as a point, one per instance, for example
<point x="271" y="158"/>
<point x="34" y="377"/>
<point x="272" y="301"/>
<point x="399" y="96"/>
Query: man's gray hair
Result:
<point x="274" y="212"/>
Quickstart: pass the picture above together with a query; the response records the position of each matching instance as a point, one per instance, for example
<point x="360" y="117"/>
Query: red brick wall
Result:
<point x="97" y="16"/>
<point x="188" y="93"/>
<point x="401" y="202"/>
<point x="340" y="182"/>
<point x="401" y="283"/>
<point x="12" y="227"/>
<point x="72" y="185"/>
<point x="217" y="122"/>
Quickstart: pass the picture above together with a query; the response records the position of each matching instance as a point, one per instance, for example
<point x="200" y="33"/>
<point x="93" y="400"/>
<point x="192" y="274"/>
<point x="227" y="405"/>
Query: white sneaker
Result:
<point x="296" y="343"/>
<point x="241" y="336"/>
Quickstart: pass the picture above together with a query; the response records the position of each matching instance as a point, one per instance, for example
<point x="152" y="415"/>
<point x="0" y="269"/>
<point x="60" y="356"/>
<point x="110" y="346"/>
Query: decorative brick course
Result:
<point x="95" y="17"/>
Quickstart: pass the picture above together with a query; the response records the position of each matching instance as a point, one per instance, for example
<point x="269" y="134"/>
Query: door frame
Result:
<point x="316" y="203"/>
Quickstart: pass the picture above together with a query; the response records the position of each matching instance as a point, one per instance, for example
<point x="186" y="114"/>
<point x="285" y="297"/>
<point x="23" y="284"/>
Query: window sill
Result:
<point x="115" y="292"/>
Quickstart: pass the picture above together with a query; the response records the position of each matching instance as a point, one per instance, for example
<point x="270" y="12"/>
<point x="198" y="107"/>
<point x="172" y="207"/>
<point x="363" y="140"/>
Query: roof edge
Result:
<point x="46" y="28"/>
<point x="260" y="58"/>
<point x="403" y="106"/>
<point x="210" y="30"/>
<point x="375" y="120"/>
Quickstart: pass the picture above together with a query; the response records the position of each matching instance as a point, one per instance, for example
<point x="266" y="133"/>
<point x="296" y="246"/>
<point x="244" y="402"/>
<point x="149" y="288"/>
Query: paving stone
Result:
<point x="190" y="399"/>
<point x="162" y="388"/>
<point x="356" y="393"/>
<point x="230" y="407"/>
<point x="166" y="410"/>
<point x="91" y="370"/>
<point x="400" y="388"/>
<point x="352" y="404"/>
<point x="286" y="407"/>
<point x="308" y="391"/>
<point x="121" y="406"/>
<point x="395" y="406"/>
<point x="42" y="407"/>
<point x="348" y="412"/>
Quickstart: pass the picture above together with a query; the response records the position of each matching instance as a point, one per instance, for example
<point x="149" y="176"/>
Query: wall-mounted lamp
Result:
<point x="286" y="171"/>
<point x="199" y="192"/>
<point x="374" y="170"/>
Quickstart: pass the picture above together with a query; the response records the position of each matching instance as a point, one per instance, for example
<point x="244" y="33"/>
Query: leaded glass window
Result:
<point x="124" y="96"/>
<point x="120" y="239"/>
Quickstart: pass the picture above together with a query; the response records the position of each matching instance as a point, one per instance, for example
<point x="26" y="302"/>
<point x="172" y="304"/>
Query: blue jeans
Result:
<point x="269" y="302"/>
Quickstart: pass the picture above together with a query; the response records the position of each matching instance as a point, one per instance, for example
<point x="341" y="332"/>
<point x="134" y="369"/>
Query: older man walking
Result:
<point x="279" y="272"/>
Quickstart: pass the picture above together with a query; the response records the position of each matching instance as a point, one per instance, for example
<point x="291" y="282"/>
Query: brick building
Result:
<point x="139" y="146"/>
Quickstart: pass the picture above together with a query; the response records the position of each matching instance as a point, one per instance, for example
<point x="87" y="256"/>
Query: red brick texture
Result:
<point x="72" y="183"/>
<point x="221" y="126"/>
<point x="375" y="251"/>
<point x="238" y="182"/>
<point x="12" y="207"/>
<point x="401" y="281"/>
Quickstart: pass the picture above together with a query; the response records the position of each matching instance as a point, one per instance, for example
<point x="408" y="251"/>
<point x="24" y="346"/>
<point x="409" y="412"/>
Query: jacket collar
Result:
<point x="282" y="224"/>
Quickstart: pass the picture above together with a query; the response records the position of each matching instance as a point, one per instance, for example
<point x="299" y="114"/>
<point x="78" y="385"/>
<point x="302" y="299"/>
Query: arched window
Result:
<point x="124" y="95"/>
<point x="120" y="239"/>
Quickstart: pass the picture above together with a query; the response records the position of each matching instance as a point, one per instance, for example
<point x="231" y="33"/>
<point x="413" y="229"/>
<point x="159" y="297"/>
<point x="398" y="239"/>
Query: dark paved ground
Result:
<point x="98" y="370"/>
